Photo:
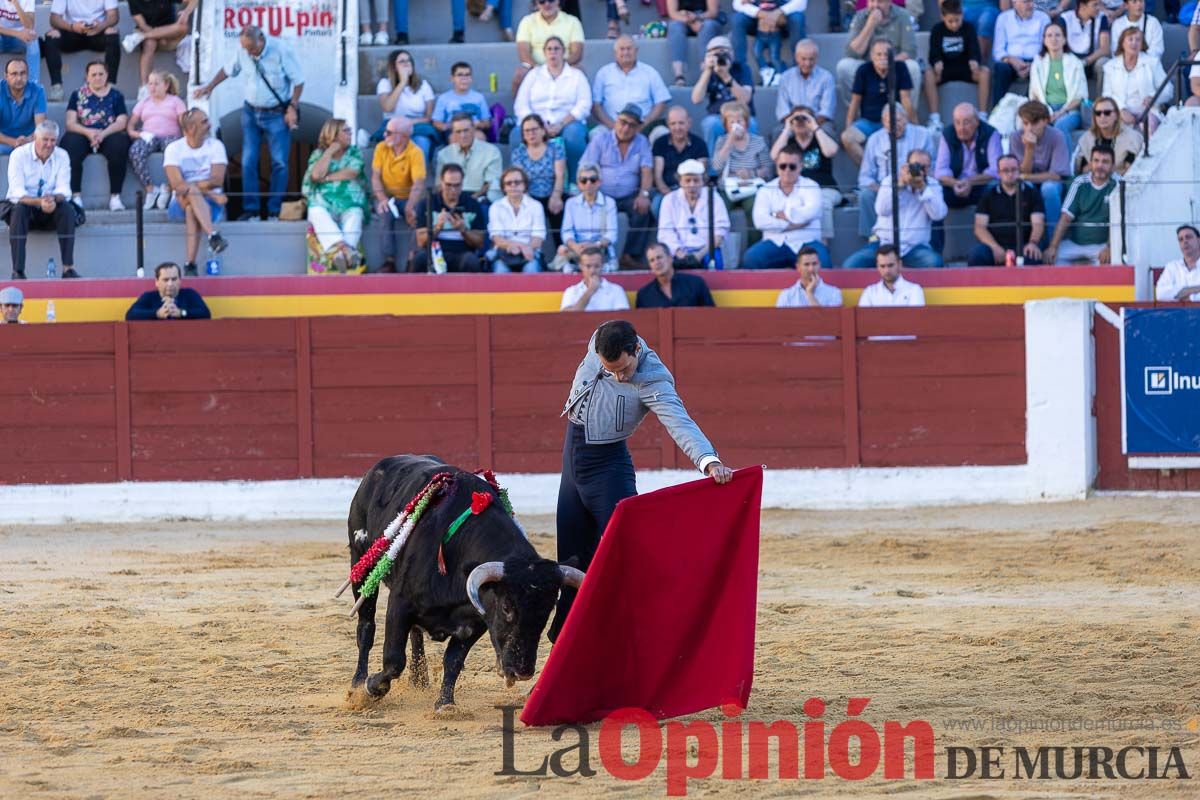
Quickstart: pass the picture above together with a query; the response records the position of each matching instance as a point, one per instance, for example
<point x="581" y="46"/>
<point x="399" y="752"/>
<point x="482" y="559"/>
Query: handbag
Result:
<point x="293" y="210"/>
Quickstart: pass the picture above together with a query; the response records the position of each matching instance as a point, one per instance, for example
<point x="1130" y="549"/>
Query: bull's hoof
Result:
<point x="378" y="687"/>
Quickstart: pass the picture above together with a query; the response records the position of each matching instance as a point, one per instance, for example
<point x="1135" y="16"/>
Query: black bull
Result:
<point x="495" y="581"/>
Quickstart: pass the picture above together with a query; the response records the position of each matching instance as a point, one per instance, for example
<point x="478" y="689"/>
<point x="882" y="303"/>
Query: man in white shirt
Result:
<point x="877" y="160"/>
<point x="921" y="204"/>
<point x="594" y="292"/>
<point x="18" y="35"/>
<point x="195" y="168"/>
<point x="1088" y="35"/>
<point x="683" y="219"/>
<point x="788" y="212"/>
<point x="627" y="81"/>
<point x="891" y="289"/>
<point x="80" y="25"/>
<point x="1180" y="280"/>
<point x="809" y="291"/>
<point x="39" y="188"/>
<point x="1017" y="42"/>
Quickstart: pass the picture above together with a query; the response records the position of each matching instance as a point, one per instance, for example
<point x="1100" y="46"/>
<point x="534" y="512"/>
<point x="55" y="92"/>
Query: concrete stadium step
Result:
<point x="95" y="181"/>
<point x="106" y="247"/>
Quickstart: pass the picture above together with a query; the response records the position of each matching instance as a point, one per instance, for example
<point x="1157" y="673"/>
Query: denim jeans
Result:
<point x="677" y="36"/>
<point x="983" y="17"/>
<point x="1003" y="76"/>
<point x="1069" y="122"/>
<point x="255" y="123"/>
<point x="503" y="9"/>
<point x="920" y="256"/>
<point x="768" y="255"/>
<point x="535" y="265"/>
<point x="32" y="51"/>
<point x="400" y="15"/>
<point x="1052" y="199"/>
<point x="744" y="26"/>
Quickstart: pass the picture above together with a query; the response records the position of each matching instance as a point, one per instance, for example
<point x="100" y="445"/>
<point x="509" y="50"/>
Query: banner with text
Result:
<point x="1160" y="372"/>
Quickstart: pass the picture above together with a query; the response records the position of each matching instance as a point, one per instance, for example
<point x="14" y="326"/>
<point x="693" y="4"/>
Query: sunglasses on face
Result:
<point x="587" y="180"/>
<point x="1105" y="112"/>
<point x="514" y="183"/>
<point x="788" y="167"/>
<point x="546" y="2"/>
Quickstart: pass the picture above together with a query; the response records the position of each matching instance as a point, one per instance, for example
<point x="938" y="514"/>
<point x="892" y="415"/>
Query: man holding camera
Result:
<point x="921" y="203"/>
<point x="458" y="222"/>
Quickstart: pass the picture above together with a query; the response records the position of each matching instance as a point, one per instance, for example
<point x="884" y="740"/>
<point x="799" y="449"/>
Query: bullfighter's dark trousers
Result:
<point x="595" y="477"/>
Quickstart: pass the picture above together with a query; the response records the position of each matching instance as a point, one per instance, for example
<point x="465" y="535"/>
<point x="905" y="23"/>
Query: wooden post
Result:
<point x="124" y="438"/>
<point x="483" y="390"/>
<point x="304" y="398"/>
<point x="850" y="408"/>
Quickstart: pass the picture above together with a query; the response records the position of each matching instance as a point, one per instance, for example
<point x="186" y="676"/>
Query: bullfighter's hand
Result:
<point x="719" y="472"/>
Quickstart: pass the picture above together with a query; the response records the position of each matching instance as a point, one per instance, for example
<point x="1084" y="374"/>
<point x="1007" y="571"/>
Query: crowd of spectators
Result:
<point x="585" y="150"/>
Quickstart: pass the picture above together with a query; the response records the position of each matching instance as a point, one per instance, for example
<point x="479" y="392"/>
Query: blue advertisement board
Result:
<point x="1160" y="373"/>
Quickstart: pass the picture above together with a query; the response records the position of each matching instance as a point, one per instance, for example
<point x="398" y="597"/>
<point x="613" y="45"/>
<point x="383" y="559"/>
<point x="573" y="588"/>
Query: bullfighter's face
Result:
<point x="623" y="368"/>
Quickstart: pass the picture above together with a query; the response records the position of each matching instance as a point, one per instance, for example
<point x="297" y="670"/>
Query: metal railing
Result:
<point x="1177" y="72"/>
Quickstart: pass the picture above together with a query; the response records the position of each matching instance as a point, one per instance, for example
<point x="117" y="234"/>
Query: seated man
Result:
<point x="1045" y="156"/>
<point x="877" y="162"/>
<point x="156" y="26"/>
<point x="12" y="301"/>
<point x="546" y="20"/>
<point x="807" y="84"/>
<point x="1082" y="231"/>
<point x="892" y="289"/>
<point x="22" y="106"/>
<point x="397" y="183"/>
<point x="671" y="288"/>
<point x="459" y="221"/>
<point x="626" y="81"/>
<point x="968" y="150"/>
<point x="868" y="100"/>
<point x="997" y="216"/>
<point x="168" y="300"/>
<point x="39" y="188"/>
<point x="1018" y="42"/>
<point x="669" y="151"/>
<point x="627" y="173"/>
<point x="809" y="291"/>
<point x="80" y="25"/>
<point x="480" y="161"/>
<point x="921" y="204"/>
<point x="879" y="20"/>
<point x="18" y="34"/>
<point x="594" y="292"/>
<point x="195" y="168"/>
<point x="589" y="220"/>
<point x="954" y="56"/>
<point x="1180" y="280"/>
<point x="683" y="219"/>
<point x="788" y="212"/>
<point x="460" y="98"/>
<point x="1087" y="28"/>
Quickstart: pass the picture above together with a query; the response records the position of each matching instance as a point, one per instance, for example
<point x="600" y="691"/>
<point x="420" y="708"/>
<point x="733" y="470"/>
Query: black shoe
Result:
<point x="18" y="275"/>
<point x="835" y="27"/>
<point x="70" y="272"/>
<point x="190" y="269"/>
<point x="400" y="38"/>
<point x="457" y="38"/>
<point x="216" y="242"/>
<point x="248" y="216"/>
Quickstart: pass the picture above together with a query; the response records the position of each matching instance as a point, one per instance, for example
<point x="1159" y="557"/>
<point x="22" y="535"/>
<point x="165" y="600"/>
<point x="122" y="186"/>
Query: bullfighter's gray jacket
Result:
<point x="614" y="410"/>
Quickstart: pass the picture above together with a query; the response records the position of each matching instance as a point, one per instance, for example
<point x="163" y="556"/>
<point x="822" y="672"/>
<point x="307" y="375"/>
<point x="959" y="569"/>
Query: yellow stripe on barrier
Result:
<point x="107" y="309"/>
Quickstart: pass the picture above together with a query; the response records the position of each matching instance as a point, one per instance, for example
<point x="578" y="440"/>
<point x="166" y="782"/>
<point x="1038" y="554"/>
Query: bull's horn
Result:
<point x="484" y="573"/>
<point x="571" y="576"/>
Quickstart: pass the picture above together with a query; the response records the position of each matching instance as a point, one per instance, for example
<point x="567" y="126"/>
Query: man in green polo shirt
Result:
<point x="1082" y="231"/>
<point x="480" y="161"/>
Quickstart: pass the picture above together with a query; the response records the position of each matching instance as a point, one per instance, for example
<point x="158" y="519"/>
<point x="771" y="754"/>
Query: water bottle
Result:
<point x="51" y="316"/>
<point x="439" y="260"/>
<point x="718" y="259"/>
<point x="492" y="82"/>
<point x="213" y="265"/>
<point x="51" y="269"/>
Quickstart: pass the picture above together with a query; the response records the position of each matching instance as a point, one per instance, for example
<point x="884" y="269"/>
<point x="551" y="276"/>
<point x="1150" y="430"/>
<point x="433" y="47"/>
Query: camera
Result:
<point x="916" y="170"/>
<point x="722" y="60"/>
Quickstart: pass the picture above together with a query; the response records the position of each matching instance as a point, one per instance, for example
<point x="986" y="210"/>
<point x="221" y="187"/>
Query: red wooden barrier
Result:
<point x="327" y="397"/>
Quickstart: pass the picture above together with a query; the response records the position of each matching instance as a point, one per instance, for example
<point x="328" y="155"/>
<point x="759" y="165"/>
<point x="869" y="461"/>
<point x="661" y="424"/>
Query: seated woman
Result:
<point x="561" y="95"/>
<point x="404" y="93"/>
<point x="336" y="191"/>
<point x="96" y="123"/>
<point x="517" y="226"/>
<point x="1132" y="78"/>
<point x="1107" y="128"/>
<point x="545" y="163"/>
<point x="741" y="155"/>
<point x="1057" y="80"/>
<point x="153" y="125"/>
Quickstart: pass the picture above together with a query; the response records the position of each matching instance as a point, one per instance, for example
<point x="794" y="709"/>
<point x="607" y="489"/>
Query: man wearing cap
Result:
<point x="624" y="82"/>
<point x="39" y="192"/>
<point x="168" y="300"/>
<point x="683" y="219"/>
<point x="626" y="175"/>
<point x="11" y="303"/>
<point x="722" y="80"/>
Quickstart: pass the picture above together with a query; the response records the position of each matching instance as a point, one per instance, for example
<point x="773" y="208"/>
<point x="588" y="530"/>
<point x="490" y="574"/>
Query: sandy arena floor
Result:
<point x="175" y="660"/>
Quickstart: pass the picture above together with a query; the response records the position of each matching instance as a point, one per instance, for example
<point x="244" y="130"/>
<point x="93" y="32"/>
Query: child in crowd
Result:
<point x="954" y="56"/>
<point x="461" y="99"/>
